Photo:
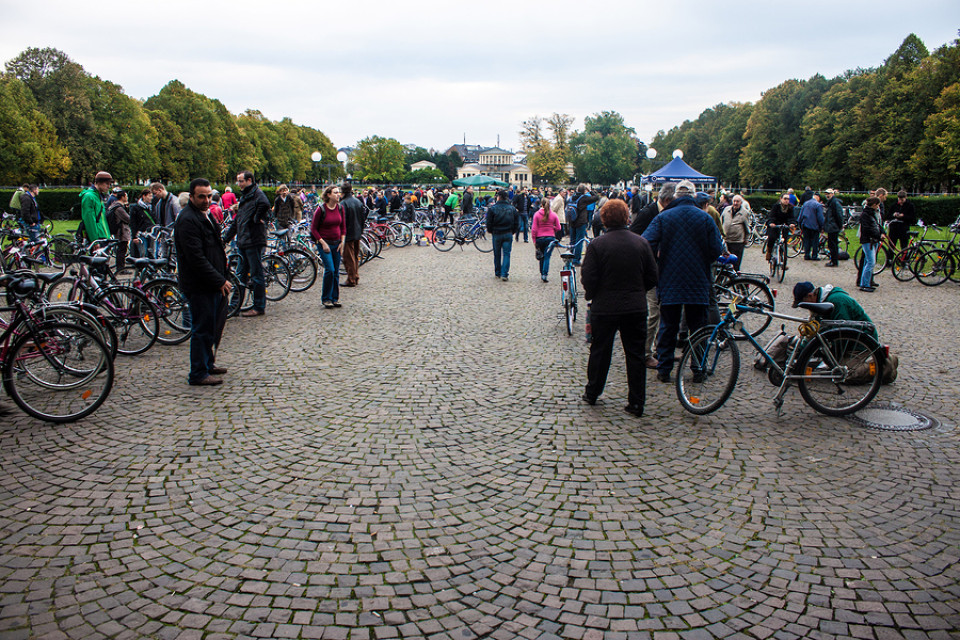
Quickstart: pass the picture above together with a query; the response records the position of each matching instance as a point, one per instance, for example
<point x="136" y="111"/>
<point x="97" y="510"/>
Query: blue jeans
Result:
<point x="502" y="245"/>
<point x="204" y="310"/>
<point x="869" y="261"/>
<point x="545" y="244"/>
<point x="524" y="227"/>
<point x="670" y="316"/>
<point x="576" y="235"/>
<point x="330" y="289"/>
<point x="250" y="271"/>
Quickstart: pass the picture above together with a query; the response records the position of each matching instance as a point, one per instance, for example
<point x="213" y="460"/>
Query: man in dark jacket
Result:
<point x="687" y="243"/>
<point x="833" y="225"/>
<point x="638" y="226"/>
<point x="521" y="202"/>
<point x="202" y="272"/>
<point x="618" y="270"/>
<point x="466" y="205"/>
<point x="781" y="213"/>
<point x="503" y="221"/>
<point x="578" y="229"/>
<point x="356" y="219"/>
<point x="901" y="216"/>
<point x="166" y="206"/>
<point x="250" y="228"/>
<point x="30" y="212"/>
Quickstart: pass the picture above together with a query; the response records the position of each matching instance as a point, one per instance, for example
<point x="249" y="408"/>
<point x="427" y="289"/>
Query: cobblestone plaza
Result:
<point x="418" y="464"/>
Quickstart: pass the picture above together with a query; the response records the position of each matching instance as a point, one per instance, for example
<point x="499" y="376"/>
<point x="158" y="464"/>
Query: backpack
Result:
<point x="570" y="212"/>
<point x="112" y="223"/>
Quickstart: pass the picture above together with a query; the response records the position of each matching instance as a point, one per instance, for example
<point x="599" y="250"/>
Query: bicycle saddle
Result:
<point x="819" y="308"/>
<point x="566" y="256"/>
<point x="139" y="262"/>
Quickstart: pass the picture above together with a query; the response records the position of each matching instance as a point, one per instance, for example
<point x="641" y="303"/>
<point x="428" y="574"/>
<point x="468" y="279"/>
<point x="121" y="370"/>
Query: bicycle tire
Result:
<point x="24" y="372"/>
<point x="59" y="291"/>
<point x="709" y="368"/>
<point x="838" y="392"/>
<point x="483" y="241"/>
<point x="133" y="316"/>
<point x="901" y="264"/>
<point x="754" y="290"/>
<point x="782" y="263"/>
<point x="879" y="265"/>
<point x="303" y="269"/>
<point x="276" y="277"/>
<point x="237" y="295"/>
<point x="795" y="245"/>
<point x="934" y="267"/>
<point x="569" y="314"/>
<point x="403" y="234"/>
<point x="173" y="308"/>
<point x="443" y="237"/>
<point x="86" y="316"/>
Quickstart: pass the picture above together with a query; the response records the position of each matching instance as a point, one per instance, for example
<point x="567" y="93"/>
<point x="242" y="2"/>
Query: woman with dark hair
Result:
<point x="618" y="269"/>
<point x="328" y="229"/>
<point x="871" y="234"/>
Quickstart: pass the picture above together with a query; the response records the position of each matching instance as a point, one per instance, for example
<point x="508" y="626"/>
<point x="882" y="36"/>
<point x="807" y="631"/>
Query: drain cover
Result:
<point x="890" y="417"/>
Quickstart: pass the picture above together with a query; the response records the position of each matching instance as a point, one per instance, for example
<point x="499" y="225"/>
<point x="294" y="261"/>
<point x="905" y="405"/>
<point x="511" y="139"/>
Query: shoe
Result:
<point x="328" y="304"/>
<point x="209" y="381"/>
<point x="588" y="399"/>
<point x="544" y="278"/>
<point x="634" y="409"/>
<point x="652" y="363"/>
<point x="527" y="241"/>
<point x="505" y="278"/>
<point x="336" y="305"/>
<point x="831" y="264"/>
<point x="874" y="284"/>
<point x="347" y="284"/>
<point x="663" y="376"/>
<point x="868" y="289"/>
<point x="217" y="371"/>
<point x="251" y="313"/>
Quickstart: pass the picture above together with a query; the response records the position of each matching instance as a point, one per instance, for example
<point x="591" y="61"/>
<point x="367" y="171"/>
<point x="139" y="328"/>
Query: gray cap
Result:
<point x="686" y="188"/>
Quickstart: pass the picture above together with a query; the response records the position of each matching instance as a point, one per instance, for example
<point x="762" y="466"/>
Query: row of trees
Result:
<point x="59" y="123"/>
<point x="897" y="126"/>
<point x="379" y="159"/>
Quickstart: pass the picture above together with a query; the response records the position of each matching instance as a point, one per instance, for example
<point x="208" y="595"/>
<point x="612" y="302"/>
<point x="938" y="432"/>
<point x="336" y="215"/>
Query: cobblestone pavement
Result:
<point x="417" y="465"/>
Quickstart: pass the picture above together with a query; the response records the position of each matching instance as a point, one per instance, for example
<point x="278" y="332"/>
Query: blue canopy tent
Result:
<point x="675" y="171"/>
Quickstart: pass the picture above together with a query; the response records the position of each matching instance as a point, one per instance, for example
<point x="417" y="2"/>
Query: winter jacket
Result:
<point x="467" y="204"/>
<point x="503" y="217"/>
<point x="166" y="210"/>
<point x="29" y="212"/>
<point x="250" y="223"/>
<point x="734" y="224"/>
<point x="870" y="230"/>
<point x="687" y="243"/>
<point x="122" y="220"/>
<point x="201" y="261"/>
<point x="811" y="215"/>
<point x="844" y="307"/>
<point x="141" y="218"/>
<point x="618" y="269"/>
<point x="284" y="210"/>
<point x="779" y="215"/>
<point x="583" y="201"/>
<point x="644" y="216"/>
<point x="833" y="216"/>
<point x="907" y="209"/>
<point x="356" y="215"/>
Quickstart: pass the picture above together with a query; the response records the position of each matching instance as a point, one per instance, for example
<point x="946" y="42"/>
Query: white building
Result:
<point x="500" y="164"/>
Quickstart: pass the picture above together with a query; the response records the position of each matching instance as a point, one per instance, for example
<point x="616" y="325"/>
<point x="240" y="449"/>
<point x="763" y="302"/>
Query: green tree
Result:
<point x="379" y="160"/>
<point x="426" y="176"/>
<point x="938" y="154"/>
<point x="172" y="166"/>
<point x="605" y="151"/>
<point x="29" y="149"/>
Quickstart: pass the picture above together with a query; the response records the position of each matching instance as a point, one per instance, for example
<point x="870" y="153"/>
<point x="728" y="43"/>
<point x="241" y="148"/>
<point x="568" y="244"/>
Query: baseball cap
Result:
<point x="800" y="291"/>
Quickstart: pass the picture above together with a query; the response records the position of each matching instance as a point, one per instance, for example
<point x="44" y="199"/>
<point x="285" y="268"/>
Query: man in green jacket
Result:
<point x="92" y="212"/>
<point x="844" y="306"/>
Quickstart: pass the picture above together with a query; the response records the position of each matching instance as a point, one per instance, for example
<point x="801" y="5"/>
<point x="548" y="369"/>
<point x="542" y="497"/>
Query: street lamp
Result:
<point x="678" y="154"/>
<point x="342" y="157"/>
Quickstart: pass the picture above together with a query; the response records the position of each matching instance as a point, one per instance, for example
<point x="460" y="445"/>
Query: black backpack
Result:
<point x="112" y="222"/>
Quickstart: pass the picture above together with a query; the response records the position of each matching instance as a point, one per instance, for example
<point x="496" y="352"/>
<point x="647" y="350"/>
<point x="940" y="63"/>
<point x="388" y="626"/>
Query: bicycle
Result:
<point x="568" y="284"/>
<point x="938" y="264"/>
<point x="446" y="235"/>
<point x="53" y="370"/>
<point x="837" y="365"/>
<point x="730" y="284"/>
<point x="778" y="254"/>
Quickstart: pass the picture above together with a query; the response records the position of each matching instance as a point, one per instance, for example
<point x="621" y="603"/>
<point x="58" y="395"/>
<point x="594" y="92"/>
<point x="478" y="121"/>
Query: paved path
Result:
<point x="417" y="465"/>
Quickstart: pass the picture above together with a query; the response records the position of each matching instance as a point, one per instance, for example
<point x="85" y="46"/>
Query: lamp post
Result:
<point x="316" y="156"/>
<point x="342" y="157"/>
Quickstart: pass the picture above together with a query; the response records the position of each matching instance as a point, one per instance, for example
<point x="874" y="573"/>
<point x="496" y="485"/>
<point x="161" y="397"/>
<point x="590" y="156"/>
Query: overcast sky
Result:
<point x="431" y="72"/>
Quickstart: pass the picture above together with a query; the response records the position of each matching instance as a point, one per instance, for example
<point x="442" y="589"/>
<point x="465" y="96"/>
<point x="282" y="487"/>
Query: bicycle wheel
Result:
<point x="749" y="290"/>
<point x="482" y="240"/>
<point x="61" y="373"/>
<point x="880" y="264"/>
<point x="238" y="297"/>
<point x="402" y="234"/>
<point x="133" y="317"/>
<point x="88" y="317"/>
<point x="841" y="371"/>
<point x="782" y="262"/>
<point x="795" y="245"/>
<point x="173" y="309"/>
<point x="303" y="269"/>
<point x="276" y="277"/>
<point x="934" y="267"/>
<point x="708" y="371"/>
<point x="901" y="264"/>
<point x="569" y="314"/>
<point x="443" y="237"/>
<point x="63" y="290"/>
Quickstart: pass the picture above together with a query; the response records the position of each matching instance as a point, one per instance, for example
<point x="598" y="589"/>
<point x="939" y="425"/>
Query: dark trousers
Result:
<point x="250" y="272"/>
<point x="351" y="260"/>
<point x="633" y="337"/>
<point x="122" y="254"/>
<point x="204" y="323"/>
<point x="811" y="243"/>
<point x="670" y="315"/>
<point x="736" y="249"/>
<point x="898" y="234"/>
<point x="833" y="242"/>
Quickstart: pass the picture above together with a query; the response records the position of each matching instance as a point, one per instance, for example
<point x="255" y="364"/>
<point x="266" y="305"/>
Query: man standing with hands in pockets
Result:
<point x="202" y="272"/>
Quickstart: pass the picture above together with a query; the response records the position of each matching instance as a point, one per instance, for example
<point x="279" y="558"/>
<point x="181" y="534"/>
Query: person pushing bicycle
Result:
<point x="780" y="214"/>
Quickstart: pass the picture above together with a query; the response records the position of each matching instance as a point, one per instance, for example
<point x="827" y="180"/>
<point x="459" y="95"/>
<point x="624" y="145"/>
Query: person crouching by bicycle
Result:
<point x="618" y="269"/>
<point x="545" y="229"/>
<point x="781" y="213"/>
<point x="503" y="221"/>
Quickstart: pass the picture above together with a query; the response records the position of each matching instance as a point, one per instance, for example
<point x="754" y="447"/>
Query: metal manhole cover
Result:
<point x="890" y="417"/>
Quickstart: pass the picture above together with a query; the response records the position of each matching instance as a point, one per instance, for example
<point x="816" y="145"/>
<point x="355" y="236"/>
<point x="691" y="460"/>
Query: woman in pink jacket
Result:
<point x="546" y="226"/>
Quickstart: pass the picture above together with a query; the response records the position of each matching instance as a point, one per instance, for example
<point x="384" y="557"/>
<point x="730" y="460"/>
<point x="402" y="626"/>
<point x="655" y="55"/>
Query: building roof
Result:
<point x="469" y="152"/>
<point x="496" y="150"/>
